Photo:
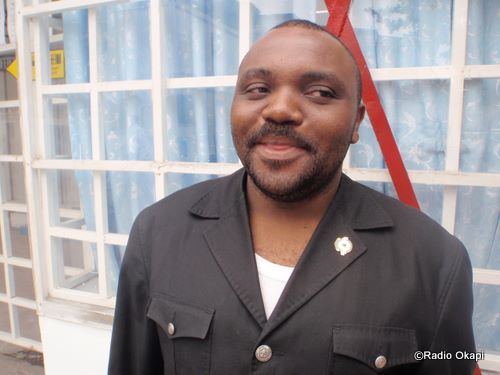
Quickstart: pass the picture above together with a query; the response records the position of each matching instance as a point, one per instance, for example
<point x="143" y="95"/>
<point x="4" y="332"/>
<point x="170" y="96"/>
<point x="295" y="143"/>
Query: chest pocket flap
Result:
<point x="377" y="347"/>
<point x="184" y="320"/>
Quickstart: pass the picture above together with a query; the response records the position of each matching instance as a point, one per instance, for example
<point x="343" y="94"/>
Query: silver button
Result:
<point x="263" y="353"/>
<point x="380" y="361"/>
<point x="170" y="329"/>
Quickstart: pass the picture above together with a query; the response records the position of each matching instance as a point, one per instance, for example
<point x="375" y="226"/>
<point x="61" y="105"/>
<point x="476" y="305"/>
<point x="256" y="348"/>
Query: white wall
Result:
<point x="76" y="349"/>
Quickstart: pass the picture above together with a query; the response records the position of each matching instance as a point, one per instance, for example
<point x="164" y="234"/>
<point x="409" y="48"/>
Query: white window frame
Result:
<point x="8" y="259"/>
<point x="38" y="165"/>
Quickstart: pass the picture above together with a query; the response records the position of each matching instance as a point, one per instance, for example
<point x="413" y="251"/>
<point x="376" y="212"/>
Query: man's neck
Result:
<point x="281" y="230"/>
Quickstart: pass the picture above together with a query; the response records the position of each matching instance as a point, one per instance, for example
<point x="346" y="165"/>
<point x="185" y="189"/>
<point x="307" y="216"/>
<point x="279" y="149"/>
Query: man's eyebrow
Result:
<point x="256" y="73"/>
<point x="312" y="76"/>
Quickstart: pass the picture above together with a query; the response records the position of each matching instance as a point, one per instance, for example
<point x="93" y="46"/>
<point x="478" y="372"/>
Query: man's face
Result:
<point x="295" y="112"/>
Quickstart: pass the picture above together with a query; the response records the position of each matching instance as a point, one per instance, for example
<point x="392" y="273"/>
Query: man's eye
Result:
<point x="257" y="89"/>
<point x="321" y="93"/>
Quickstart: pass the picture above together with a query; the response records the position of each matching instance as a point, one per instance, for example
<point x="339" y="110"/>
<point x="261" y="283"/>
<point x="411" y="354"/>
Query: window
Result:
<point x="18" y="318"/>
<point x="143" y="110"/>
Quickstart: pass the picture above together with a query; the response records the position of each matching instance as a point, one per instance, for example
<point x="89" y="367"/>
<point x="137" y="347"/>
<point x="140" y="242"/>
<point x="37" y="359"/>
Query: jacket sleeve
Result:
<point x="135" y="349"/>
<point x="454" y="331"/>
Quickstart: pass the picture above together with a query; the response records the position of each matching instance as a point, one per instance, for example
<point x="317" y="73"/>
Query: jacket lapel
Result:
<point x="229" y="239"/>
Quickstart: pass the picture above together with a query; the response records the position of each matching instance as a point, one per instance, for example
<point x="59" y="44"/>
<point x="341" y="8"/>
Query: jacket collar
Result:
<point x="359" y="209"/>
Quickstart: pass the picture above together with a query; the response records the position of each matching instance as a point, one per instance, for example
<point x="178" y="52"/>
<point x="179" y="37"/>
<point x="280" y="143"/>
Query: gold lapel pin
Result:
<point x="343" y="245"/>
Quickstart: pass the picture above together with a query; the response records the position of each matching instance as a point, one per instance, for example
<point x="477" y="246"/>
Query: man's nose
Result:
<point x="283" y="107"/>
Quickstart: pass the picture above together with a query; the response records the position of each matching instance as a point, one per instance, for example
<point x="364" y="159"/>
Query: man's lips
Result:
<point x="278" y="148"/>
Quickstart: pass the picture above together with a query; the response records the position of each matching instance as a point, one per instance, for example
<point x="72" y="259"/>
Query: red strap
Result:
<point x="339" y="24"/>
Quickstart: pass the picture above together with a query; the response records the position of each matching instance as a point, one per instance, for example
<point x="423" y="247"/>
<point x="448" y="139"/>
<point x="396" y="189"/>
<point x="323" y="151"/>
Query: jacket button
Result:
<point x="170" y="329"/>
<point x="263" y="353"/>
<point x="380" y="361"/>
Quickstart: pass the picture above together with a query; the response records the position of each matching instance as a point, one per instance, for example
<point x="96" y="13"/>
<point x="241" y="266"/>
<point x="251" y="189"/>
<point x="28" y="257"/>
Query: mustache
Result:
<point x="279" y="130"/>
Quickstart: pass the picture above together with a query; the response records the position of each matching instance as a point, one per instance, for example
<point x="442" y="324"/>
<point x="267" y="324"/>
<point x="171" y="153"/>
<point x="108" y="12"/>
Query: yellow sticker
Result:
<point x="56" y="65"/>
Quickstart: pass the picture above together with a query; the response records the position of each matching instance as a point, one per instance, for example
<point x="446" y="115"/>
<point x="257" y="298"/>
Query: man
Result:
<point x="287" y="266"/>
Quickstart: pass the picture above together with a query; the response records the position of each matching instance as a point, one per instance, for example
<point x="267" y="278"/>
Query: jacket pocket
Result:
<point x="365" y="350"/>
<point x="186" y="329"/>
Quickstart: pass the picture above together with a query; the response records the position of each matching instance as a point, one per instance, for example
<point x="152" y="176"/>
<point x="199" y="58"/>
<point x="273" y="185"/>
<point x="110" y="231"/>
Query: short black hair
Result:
<point x="306" y="24"/>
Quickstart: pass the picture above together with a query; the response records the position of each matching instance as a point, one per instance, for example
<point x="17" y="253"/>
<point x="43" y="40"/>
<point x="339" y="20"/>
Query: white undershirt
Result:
<point x="272" y="278"/>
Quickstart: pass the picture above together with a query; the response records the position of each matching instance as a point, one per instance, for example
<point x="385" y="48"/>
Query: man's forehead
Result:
<point x="295" y="39"/>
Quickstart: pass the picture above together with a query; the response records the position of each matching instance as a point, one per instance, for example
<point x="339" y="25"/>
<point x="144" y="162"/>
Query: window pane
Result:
<point x="68" y="123"/>
<point x="201" y="37"/>
<point x="198" y="127"/>
<point x="403" y="34"/>
<point x="483" y="32"/>
<point x="479" y="150"/>
<point x="8" y="83"/>
<point x="123" y="41"/>
<point x="418" y="115"/>
<point x="23" y="282"/>
<point x="477" y="225"/>
<point x="75" y="44"/>
<point x="3" y="286"/>
<point x="10" y="132"/>
<point x="128" y="126"/>
<point x="114" y="256"/>
<point x="267" y="14"/>
<point x="486" y="326"/>
<point x="72" y="193"/>
<point x="127" y="194"/>
<point x="77" y="262"/>
<point x="18" y="229"/>
<point x="12" y="182"/>
<point x="4" y="318"/>
<point x="28" y="323"/>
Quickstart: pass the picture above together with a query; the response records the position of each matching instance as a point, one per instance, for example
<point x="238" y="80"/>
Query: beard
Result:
<point x="312" y="179"/>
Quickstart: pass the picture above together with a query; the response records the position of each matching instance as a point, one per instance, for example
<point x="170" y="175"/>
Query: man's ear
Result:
<point x="360" y="114"/>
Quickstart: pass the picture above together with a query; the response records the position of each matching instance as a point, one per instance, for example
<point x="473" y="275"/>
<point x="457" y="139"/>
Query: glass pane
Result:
<point x="418" y="115"/>
<point x="23" y="282"/>
<point x="4" y="318"/>
<point x="127" y="194"/>
<point x="10" y="132"/>
<point x="18" y="228"/>
<point x="403" y="34"/>
<point x="3" y="286"/>
<point x="479" y="149"/>
<point x="123" y="41"/>
<point x="12" y="182"/>
<point x="201" y="37"/>
<point x="198" y="127"/>
<point x="477" y="225"/>
<point x="77" y="265"/>
<point x="74" y="191"/>
<point x="486" y="324"/>
<point x="28" y="323"/>
<point x="68" y="122"/>
<point x="114" y="256"/>
<point x="177" y="181"/>
<point x="483" y="32"/>
<point x="128" y="125"/>
<point x="267" y="14"/>
<point x="8" y="82"/>
<point x="75" y="45"/>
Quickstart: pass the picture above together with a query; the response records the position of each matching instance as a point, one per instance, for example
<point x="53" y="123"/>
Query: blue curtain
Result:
<point x="201" y="39"/>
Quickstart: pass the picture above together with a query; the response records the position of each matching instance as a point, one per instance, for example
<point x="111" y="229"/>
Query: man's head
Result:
<point x="296" y="110"/>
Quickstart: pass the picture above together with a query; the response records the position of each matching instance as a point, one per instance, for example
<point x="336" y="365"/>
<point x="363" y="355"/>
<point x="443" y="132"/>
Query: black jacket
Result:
<point x="405" y="286"/>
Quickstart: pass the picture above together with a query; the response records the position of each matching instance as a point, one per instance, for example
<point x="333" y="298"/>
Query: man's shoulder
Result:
<point x="409" y="222"/>
<point x="187" y="199"/>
